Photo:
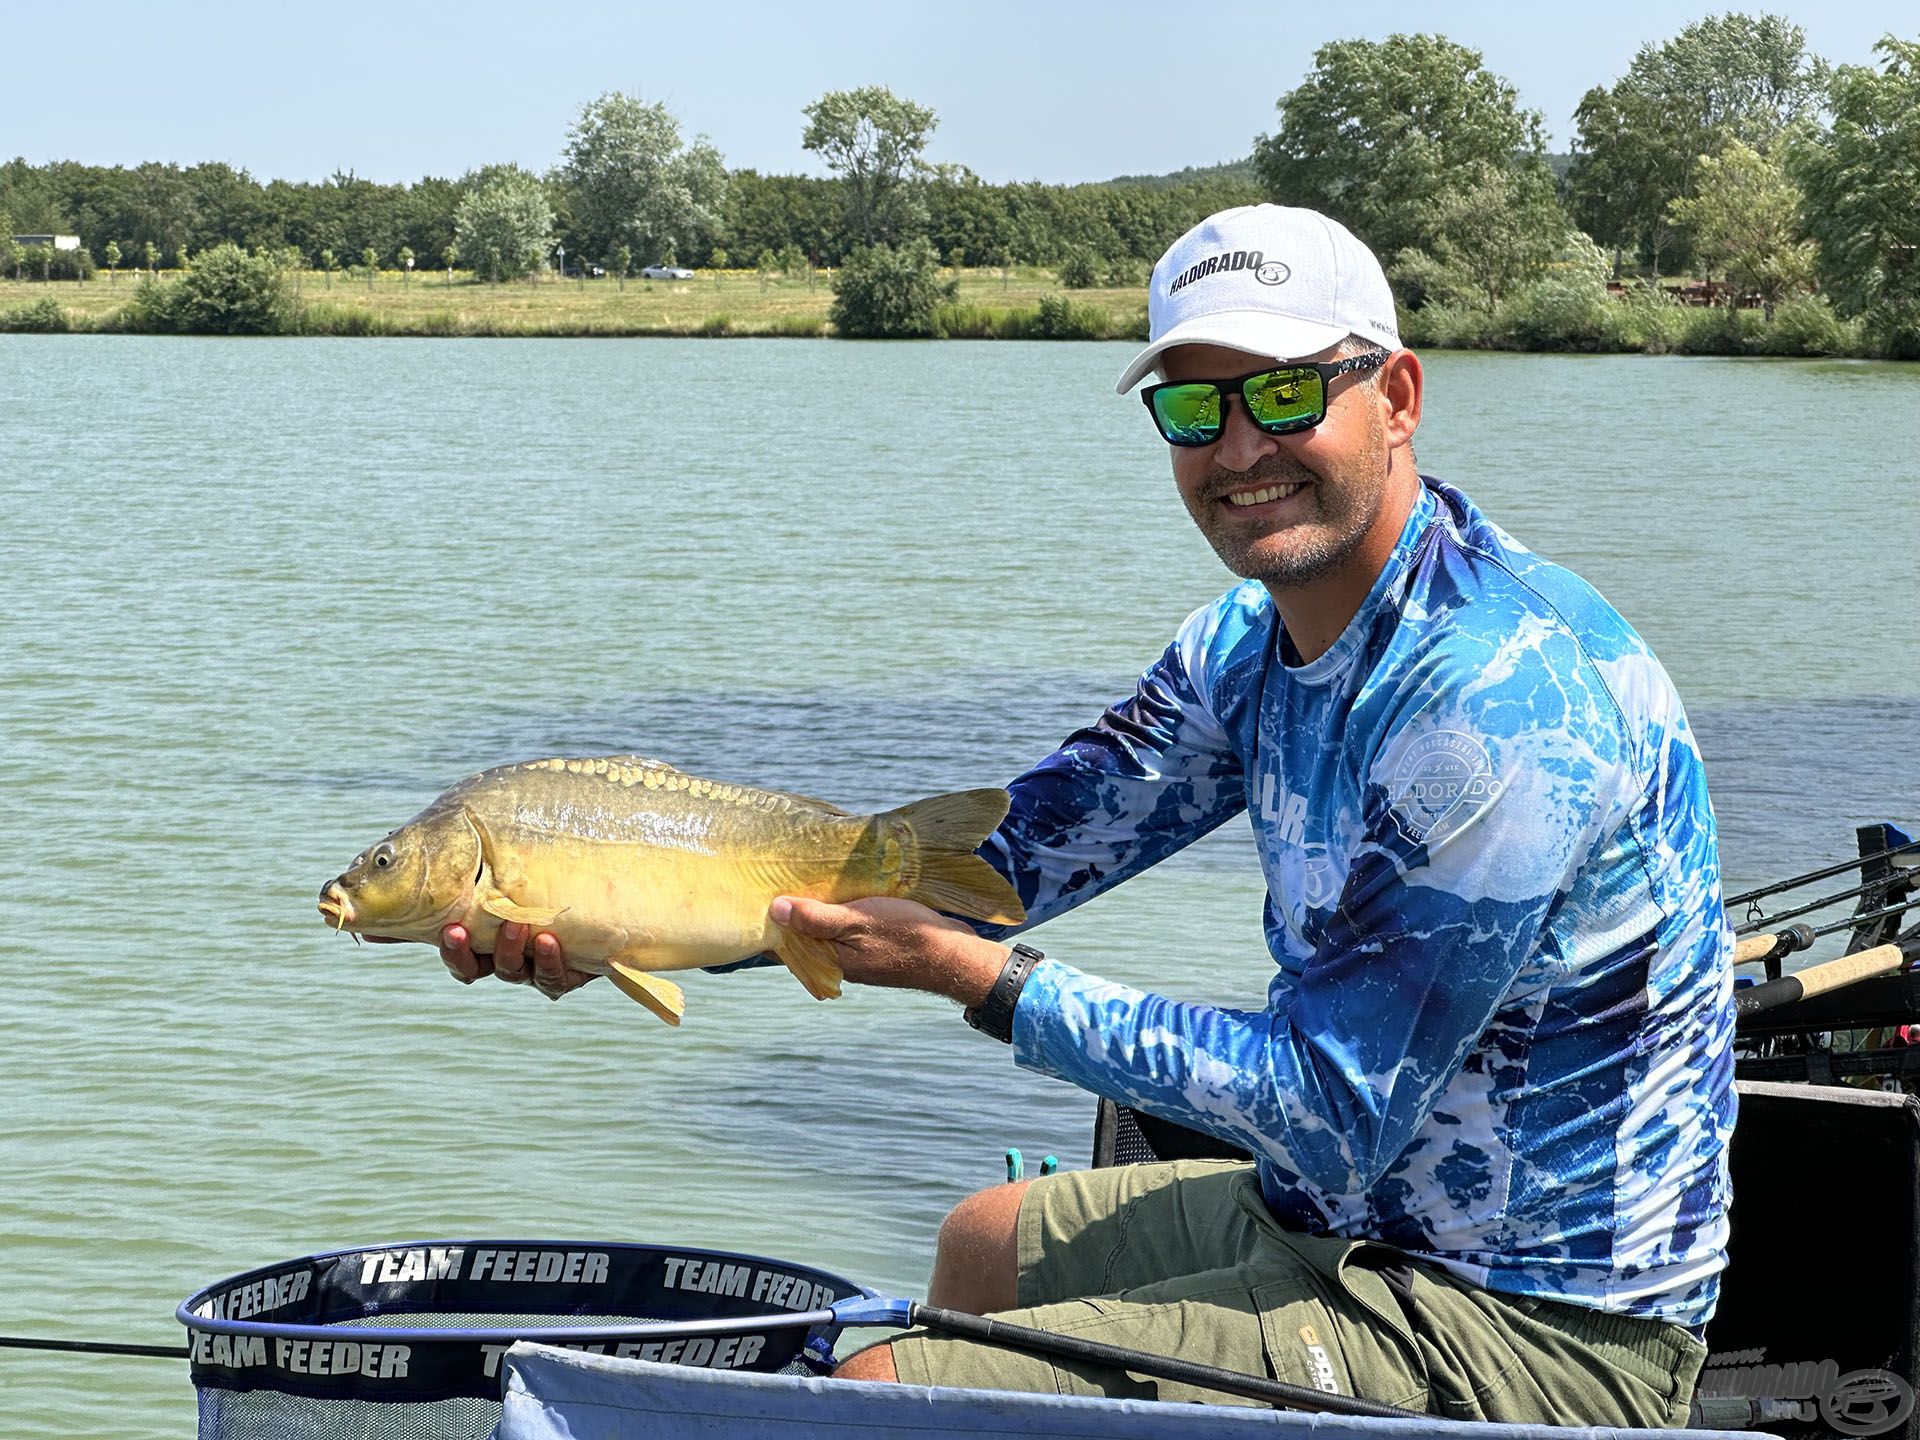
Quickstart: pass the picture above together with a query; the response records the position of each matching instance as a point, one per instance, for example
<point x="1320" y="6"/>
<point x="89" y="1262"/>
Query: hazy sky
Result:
<point x="1024" y="91"/>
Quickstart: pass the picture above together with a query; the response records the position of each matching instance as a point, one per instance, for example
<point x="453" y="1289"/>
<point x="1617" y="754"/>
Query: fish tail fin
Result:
<point x="941" y="867"/>
<point x="662" y="997"/>
<point x="812" y="964"/>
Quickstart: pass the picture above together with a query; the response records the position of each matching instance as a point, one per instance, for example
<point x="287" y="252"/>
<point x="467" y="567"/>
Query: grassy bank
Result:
<point x="1552" y="315"/>
<point x="725" y="302"/>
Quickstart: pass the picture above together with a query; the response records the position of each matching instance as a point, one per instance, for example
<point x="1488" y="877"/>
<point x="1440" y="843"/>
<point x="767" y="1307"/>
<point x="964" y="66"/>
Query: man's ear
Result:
<point x="1400" y="384"/>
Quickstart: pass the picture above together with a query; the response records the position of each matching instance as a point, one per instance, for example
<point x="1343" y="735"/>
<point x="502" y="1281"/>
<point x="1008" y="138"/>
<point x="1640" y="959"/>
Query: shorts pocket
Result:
<point x="1326" y="1340"/>
<point x="1216" y="1328"/>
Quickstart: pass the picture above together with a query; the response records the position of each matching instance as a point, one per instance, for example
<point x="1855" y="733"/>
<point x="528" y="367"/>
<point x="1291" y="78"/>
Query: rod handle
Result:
<point x="1776" y="946"/>
<point x="1849" y="970"/>
<point x="1818" y="979"/>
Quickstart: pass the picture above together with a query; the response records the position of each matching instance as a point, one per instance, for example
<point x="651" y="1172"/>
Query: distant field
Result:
<point x="726" y="302"/>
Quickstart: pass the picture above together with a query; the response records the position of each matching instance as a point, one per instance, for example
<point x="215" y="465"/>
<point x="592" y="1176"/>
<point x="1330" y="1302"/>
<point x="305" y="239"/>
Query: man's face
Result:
<point x="1283" y="509"/>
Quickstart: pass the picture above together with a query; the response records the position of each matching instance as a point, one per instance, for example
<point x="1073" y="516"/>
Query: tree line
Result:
<point x="626" y="183"/>
<point x="1729" y="153"/>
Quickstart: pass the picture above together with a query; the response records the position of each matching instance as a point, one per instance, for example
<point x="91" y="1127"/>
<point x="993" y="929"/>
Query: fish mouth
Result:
<point x="335" y="908"/>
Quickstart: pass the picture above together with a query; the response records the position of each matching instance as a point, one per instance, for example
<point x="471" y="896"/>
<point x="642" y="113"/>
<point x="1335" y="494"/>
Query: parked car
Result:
<point x="665" y="272"/>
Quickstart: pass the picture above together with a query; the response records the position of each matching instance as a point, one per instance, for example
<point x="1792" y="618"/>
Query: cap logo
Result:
<point x="1272" y="273"/>
<point x="1220" y="264"/>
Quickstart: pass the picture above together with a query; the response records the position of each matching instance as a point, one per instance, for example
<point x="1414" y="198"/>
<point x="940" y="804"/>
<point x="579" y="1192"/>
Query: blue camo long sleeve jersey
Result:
<point x="1498" y="1035"/>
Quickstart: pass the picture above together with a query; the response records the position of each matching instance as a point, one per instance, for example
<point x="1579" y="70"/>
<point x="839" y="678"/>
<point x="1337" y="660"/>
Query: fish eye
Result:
<point x="383" y="856"/>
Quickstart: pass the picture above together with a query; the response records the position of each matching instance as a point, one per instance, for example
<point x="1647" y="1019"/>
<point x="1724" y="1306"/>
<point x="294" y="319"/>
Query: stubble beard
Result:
<point x="1306" y="549"/>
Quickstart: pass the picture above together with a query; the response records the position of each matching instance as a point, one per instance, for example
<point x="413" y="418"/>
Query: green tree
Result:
<point x="631" y="181"/>
<point x="1862" y="186"/>
<point x="504" y="228"/>
<point x="1727" y="77"/>
<point x="227" y="292"/>
<point x="1379" y="131"/>
<point x="1080" y="268"/>
<point x="1495" y="232"/>
<point x="113" y="260"/>
<point x="621" y="263"/>
<point x="872" y="139"/>
<point x="326" y="266"/>
<point x="150" y="257"/>
<point x="405" y="257"/>
<point x="370" y="262"/>
<point x="1742" y="215"/>
<point x="39" y="260"/>
<point x="9" y="252"/>
<point x="885" y="292"/>
<point x="448" y="254"/>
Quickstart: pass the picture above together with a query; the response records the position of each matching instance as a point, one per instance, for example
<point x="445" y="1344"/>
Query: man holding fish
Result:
<point x="1490" y="1095"/>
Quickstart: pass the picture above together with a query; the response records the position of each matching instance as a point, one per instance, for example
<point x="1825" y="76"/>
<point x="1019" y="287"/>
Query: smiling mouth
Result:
<point x="1265" y="495"/>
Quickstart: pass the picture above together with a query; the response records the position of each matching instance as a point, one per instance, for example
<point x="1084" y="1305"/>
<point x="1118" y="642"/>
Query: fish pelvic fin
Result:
<point x="662" y="997"/>
<point x="504" y="909"/>
<point x="812" y="963"/>
<point x="942" y="869"/>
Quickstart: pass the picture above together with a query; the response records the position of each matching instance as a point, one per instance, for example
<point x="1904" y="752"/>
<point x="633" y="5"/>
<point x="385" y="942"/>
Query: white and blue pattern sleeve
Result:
<point x="1156" y="772"/>
<point x="1487" y="774"/>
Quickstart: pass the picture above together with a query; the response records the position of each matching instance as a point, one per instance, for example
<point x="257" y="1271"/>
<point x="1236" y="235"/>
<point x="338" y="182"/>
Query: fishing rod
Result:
<point x="1812" y="875"/>
<point x="1820" y="979"/>
<point x="1884" y="882"/>
<point x="1783" y="943"/>
<point x="92" y="1347"/>
<point x="884" y="1310"/>
<point x="887" y="1310"/>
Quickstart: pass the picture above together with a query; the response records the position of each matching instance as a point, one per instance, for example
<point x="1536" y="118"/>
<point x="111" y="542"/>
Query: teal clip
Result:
<point x="1017" y="1165"/>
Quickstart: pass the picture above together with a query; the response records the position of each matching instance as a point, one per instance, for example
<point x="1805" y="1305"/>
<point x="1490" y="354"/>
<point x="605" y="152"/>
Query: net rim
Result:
<point x="550" y="1334"/>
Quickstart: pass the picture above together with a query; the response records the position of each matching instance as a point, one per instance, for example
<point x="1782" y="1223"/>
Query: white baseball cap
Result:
<point x="1273" y="280"/>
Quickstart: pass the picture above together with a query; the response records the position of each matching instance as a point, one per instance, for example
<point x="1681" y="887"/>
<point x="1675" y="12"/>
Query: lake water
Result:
<point x="262" y="600"/>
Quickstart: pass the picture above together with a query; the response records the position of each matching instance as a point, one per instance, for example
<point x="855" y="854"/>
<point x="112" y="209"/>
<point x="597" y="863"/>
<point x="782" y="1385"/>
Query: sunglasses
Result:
<point x="1279" y="402"/>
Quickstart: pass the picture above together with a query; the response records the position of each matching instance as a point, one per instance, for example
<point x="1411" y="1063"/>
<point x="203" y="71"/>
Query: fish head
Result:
<point x="409" y="884"/>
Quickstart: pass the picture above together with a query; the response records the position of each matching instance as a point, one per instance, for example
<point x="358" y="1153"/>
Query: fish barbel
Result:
<point x="638" y="867"/>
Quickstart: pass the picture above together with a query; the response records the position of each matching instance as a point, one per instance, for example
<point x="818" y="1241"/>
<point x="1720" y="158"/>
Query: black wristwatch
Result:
<point x="994" y="1015"/>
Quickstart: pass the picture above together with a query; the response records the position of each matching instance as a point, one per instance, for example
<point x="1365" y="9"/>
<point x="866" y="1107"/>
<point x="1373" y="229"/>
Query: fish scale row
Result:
<point x="656" y="775"/>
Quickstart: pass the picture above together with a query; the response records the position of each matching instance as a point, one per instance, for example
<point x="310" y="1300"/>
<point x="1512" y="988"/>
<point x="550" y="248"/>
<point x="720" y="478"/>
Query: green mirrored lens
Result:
<point x="1188" y="412"/>
<point x="1286" y="397"/>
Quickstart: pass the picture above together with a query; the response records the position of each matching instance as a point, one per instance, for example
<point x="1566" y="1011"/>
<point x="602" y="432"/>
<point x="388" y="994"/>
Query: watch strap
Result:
<point x="994" y="1015"/>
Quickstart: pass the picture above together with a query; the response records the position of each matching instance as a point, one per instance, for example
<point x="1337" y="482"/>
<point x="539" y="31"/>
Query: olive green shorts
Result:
<point x="1185" y="1259"/>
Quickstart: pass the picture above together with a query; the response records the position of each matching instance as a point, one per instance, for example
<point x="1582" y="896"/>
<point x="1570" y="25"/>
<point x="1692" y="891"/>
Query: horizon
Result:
<point x="178" y="90"/>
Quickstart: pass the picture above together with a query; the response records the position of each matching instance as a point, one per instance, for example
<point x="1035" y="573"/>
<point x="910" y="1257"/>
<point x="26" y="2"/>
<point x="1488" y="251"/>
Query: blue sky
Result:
<point x="1033" y="91"/>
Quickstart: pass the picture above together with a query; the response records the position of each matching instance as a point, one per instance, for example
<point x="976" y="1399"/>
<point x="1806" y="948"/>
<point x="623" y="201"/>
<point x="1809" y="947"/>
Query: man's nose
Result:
<point x="1242" y="444"/>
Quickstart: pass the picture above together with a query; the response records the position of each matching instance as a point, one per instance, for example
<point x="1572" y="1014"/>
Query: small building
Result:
<point x="52" y="242"/>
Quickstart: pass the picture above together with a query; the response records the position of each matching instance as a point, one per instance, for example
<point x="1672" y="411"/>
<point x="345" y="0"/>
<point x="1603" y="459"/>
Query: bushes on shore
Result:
<point x="885" y="292"/>
<point x="36" y="317"/>
<point x="226" y="292"/>
<point x="1573" y="312"/>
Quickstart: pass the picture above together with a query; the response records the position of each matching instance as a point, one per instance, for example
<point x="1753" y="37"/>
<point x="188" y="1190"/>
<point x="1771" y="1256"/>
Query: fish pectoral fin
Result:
<point x="662" y="997"/>
<point x="812" y="963"/>
<point x="502" y="908"/>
